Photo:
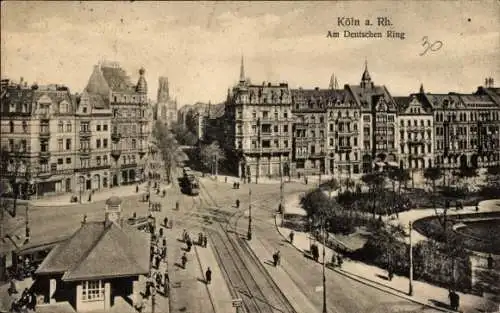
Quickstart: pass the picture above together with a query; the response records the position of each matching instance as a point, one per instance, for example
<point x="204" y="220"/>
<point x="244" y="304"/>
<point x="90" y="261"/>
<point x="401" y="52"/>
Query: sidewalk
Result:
<point x="295" y="296"/>
<point x="218" y="290"/>
<point x="121" y="191"/>
<point x="423" y="293"/>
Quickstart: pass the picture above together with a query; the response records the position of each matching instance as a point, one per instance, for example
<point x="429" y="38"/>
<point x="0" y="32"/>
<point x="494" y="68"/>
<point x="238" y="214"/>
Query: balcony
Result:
<point x="45" y="115"/>
<point x="341" y="149"/>
<point x="129" y="165"/>
<point x="84" y="151"/>
<point x="85" y="133"/>
<point x="92" y="168"/>
<point x="320" y="154"/>
<point x="44" y="132"/>
<point x="44" y="154"/>
<point x="115" y="137"/>
<point x="116" y="152"/>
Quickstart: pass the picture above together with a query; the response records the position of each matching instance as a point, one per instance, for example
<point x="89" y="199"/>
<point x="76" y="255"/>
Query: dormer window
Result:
<point x="63" y="107"/>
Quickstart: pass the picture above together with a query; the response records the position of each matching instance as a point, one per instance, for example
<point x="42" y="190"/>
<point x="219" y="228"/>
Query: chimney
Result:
<point x="112" y="213"/>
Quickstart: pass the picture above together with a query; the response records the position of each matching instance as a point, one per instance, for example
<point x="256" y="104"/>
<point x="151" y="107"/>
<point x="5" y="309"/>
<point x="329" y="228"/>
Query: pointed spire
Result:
<point x="142" y="86"/>
<point x="422" y="88"/>
<point x="366" y="75"/>
<point x="336" y="83"/>
<point x="242" y="71"/>
<point x="332" y="81"/>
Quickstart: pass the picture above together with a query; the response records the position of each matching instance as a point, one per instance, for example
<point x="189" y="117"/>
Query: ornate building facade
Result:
<point x="416" y="135"/>
<point x="130" y="122"/>
<point x="378" y="123"/>
<point x="38" y="133"/>
<point x="93" y="128"/>
<point x="259" y="128"/>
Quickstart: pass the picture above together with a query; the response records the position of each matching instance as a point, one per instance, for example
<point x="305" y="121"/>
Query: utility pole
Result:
<point x="410" y="286"/>
<point x="249" y="232"/>
<point x="282" y="207"/>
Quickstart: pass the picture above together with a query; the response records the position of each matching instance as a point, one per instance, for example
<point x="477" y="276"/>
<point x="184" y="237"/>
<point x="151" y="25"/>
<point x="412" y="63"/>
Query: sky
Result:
<point x="199" y="46"/>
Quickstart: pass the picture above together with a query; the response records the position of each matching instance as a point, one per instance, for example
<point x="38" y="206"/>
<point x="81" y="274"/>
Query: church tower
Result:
<point x="366" y="81"/>
<point x="142" y="85"/>
<point x="163" y="92"/>
<point x="242" y="72"/>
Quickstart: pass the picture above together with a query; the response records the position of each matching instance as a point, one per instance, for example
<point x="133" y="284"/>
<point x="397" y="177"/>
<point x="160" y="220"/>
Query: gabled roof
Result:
<point x="99" y="251"/>
<point x="322" y="97"/>
<point x="415" y="99"/>
<point x="17" y="96"/>
<point x="364" y="97"/>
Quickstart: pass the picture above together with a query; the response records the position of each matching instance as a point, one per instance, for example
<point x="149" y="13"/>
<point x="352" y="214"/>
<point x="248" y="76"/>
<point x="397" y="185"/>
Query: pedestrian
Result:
<point x="164" y="242"/>
<point x="225" y="179"/>
<point x="490" y="262"/>
<point x="90" y="197"/>
<point x="237" y="203"/>
<point x="136" y="188"/>
<point x="157" y="262"/>
<point x="279" y="257"/>
<point x="165" y="222"/>
<point x="340" y="261"/>
<point x="184" y="260"/>
<point x="200" y="239"/>
<point x="208" y="276"/>
<point x="234" y="185"/>
<point x="292" y="234"/>
<point x="161" y="232"/>
<point x="166" y="287"/>
<point x="164" y="192"/>
<point x="184" y="234"/>
<point x="177" y="205"/>
<point x="205" y="241"/>
<point x="189" y="244"/>
<point x="275" y="259"/>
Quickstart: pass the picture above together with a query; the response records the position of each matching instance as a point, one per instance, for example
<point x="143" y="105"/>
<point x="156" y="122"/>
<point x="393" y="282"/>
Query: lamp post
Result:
<point x="324" y="224"/>
<point x="282" y="209"/>
<point x="410" y="286"/>
<point x="249" y="232"/>
<point x="310" y="231"/>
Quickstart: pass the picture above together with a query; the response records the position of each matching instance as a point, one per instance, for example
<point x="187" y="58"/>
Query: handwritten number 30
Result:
<point x="435" y="46"/>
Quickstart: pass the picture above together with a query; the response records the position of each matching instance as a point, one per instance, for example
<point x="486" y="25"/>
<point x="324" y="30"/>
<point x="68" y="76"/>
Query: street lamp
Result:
<point x="324" y="226"/>
<point x="410" y="286"/>
<point x="249" y="232"/>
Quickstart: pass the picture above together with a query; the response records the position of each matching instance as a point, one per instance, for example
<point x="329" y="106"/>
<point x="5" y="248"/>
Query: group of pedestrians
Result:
<point x="27" y="301"/>
<point x="155" y="206"/>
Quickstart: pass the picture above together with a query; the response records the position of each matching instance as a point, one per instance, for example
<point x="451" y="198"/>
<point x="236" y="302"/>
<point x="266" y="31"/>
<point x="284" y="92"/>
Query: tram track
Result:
<point x="246" y="276"/>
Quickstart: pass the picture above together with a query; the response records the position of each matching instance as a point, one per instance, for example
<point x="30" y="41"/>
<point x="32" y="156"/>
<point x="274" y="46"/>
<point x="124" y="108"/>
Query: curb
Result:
<point x="203" y="275"/>
<point x="366" y="281"/>
<point x="55" y="205"/>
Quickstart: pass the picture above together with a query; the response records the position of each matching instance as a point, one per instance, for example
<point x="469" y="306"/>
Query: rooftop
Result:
<point x="99" y="251"/>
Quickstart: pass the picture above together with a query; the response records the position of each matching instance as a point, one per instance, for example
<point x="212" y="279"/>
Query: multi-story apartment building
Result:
<point x="93" y="140"/>
<point x="258" y="132"/>
<point x="166" y="107"/>
<point x="343" y="121"/>
<point x="378" y="123"/>
<point x="130" y="123"/>
<point x="416" y="135"/>
<point x="38" y="129"/>
<point x="466" y="128"/>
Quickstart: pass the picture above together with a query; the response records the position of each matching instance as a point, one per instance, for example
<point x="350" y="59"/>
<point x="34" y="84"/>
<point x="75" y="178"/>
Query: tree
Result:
<point x="400" y="176"/>
<point x="169" y="148"/>
<point x="211" y="155"/>
<point x="433" y="174"/>
<point x="316" y="203"/>
<point x="375" y="182"/>
<point x="184" y="136"/>
<point x="386" y="242"/>
<point x="14" y="165"/>
<point x="348" y="183"/>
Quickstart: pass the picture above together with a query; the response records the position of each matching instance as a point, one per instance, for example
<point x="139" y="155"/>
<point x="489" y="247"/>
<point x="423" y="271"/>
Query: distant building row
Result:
<point x="57" y="142"/>
<point x="271" y="129"/>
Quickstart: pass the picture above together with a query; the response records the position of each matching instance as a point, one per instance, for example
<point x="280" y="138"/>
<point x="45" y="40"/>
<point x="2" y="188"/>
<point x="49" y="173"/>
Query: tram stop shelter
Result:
<point x="100" y="262"/>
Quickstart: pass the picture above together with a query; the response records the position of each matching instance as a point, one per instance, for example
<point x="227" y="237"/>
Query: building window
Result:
<point x="60" y="161"/>
<point x="105" y="143"/>
<point x="265" y="114"/>
<point x="98" y="160"/>
<point x="285" y="143"/>
<point x="11" y="145"/>
<point x="285" y="128"/>
<point x="68" y="127"/>
<point x="105" y="159"/>
<point x="98" y="127"/>
<point x="98" y="143"/>
<point x="105" y="127"/>
<point x="366" y="118"/>
<point x="285" y="115"/>
<point x="93" y="290"/>
<point x="68" y="160"/>
<point x="60" y="144"/>
<point x="44" y="146"/>
<point x="276" y="130"/>
<point x="134" y="143"/>
<point x="355" y="142"/>
<point x="84" y="109"/>
<point x="25" y="127"/>
<point x="266" y="143"/>
<point x="68" y="144"/>
<point x="11" y="126"/>
<point x="60" y="127"/>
